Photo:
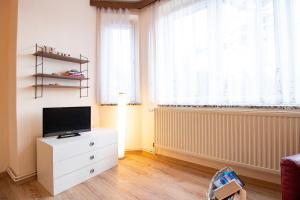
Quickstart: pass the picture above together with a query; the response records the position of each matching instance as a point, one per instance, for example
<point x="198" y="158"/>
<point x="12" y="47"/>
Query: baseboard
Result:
<point x="20" y="179"/>
<point x="139" y="151"/>
<point x="151" y="151"/>
<point x="206" y="171"/>
<point x="133" y="152"/>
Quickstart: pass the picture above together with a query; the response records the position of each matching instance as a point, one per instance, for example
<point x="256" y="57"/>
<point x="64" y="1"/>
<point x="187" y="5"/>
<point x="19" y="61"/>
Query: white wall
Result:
<point x="70" y="26"/>
<point x="108" y="119"/>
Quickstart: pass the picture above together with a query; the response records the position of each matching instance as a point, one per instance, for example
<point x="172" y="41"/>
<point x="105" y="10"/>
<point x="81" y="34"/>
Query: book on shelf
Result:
<point x="74" y="73"/>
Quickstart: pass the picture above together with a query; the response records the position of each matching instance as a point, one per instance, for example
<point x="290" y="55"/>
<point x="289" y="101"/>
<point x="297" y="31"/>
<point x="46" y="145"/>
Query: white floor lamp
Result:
<point x="122" y="110"/>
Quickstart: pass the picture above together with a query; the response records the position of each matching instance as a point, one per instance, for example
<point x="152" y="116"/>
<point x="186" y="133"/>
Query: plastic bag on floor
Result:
<point x="226" y="185"/>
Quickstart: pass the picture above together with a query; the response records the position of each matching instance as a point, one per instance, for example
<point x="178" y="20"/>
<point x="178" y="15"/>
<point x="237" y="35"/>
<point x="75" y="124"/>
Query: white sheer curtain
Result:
<point x="117" y="58"/>
<point x="225" y="52"/>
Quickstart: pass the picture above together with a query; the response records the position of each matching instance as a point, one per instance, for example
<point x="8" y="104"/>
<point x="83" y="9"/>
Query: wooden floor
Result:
<point x="136" y="177"/>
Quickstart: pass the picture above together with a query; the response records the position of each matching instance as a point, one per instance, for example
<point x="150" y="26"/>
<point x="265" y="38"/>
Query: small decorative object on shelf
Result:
<point x="74" y="73"/>
<point x="48" y="49"/>
<point x="80" y="75"/>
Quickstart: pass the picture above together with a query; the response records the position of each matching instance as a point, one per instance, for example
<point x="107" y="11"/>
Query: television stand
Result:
<point x="68" y="135"/>
<point x="62" y="164"/>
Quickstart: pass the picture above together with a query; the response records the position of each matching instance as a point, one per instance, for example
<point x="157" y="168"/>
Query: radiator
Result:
<point x="255" y="139"/>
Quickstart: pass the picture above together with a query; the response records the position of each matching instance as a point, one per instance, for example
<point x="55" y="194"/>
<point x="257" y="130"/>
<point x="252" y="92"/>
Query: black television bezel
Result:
<point x="63" y="133"/>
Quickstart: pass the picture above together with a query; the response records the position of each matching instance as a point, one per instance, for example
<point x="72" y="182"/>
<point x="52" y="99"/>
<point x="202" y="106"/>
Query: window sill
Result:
<point x="275" y="111"/>
<point x="114" y="104"/>
<point x="233" y="106"/>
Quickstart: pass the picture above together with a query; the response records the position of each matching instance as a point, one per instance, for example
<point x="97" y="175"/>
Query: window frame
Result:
<point x="134" y="24"/>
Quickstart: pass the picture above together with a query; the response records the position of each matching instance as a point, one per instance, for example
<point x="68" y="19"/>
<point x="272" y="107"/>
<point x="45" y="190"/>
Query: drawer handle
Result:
<point x="92" y="157"/>
<point x="92" y="144"/>
<point x="92" y="171"/>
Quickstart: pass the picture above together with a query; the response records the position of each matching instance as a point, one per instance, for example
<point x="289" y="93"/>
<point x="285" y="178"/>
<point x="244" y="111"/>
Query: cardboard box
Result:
<point x="241" y="195"/>
<point x="229" y="189"/>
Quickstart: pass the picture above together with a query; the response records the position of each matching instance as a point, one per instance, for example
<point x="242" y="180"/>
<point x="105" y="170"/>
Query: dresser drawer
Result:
<point x="84" y="145"/>
<point x="63" y="163"/>
<point x="76" y="177"/>
<point x="77" y="162"/>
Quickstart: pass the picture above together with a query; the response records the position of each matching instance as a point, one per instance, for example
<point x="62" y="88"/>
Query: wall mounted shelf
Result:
<point x="59" y="77"/>
<point x="61" y="86"/>
<point x="60" y="57"/>
<point x="40" y="76"/>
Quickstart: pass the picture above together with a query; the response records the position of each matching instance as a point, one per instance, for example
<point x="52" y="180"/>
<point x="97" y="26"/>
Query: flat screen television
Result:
<point x="66" y="121"/>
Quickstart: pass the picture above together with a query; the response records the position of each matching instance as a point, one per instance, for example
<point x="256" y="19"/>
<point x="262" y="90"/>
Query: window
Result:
<point x="229" y="52"/>
<point x="118" y="57"/>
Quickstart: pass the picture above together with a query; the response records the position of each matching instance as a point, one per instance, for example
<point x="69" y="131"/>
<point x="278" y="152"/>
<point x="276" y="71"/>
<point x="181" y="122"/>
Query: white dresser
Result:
<point x="64" y="163"/>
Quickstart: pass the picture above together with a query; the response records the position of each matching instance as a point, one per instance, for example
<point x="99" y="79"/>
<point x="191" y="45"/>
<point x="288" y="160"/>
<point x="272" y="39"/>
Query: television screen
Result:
<point x="66" y="121"/>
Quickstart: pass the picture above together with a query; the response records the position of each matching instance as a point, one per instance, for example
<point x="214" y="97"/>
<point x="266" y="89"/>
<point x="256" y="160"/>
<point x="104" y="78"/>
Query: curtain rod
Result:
<point x="121" y="4"/>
